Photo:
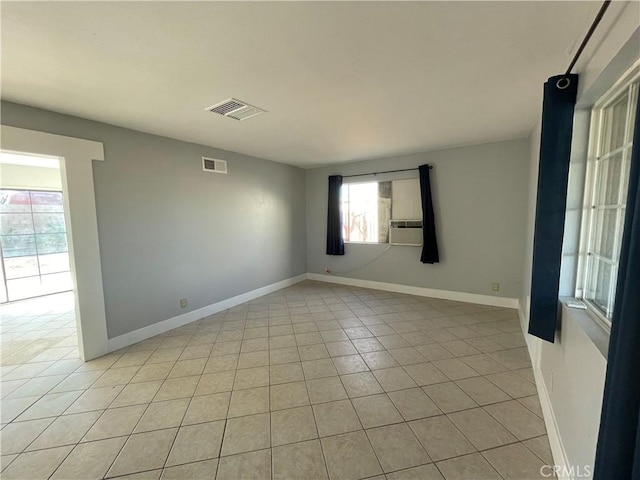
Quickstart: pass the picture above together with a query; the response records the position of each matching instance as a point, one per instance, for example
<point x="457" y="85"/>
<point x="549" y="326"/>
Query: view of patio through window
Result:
<point x="33" y="241"/>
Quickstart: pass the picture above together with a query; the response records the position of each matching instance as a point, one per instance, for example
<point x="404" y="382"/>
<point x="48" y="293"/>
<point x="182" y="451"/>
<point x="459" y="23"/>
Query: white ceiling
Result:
<point x="341" y="81"/>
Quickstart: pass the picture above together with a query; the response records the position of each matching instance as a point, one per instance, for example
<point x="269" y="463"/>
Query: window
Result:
<point x="606" y="193"/>
<point x="366" y="211"/>
<point x="33" y="244"/>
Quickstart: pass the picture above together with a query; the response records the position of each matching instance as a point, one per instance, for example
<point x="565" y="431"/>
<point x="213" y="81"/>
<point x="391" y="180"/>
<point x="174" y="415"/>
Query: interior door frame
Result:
<point x="76" y="170"/>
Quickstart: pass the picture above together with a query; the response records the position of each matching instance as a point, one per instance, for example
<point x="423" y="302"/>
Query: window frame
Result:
<point x="599" y="130"/>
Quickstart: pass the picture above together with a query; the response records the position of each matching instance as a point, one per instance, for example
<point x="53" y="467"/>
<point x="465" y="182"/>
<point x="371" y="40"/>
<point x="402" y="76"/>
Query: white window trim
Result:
<point x="588" y="219"/>
<point x="351" y="242"/>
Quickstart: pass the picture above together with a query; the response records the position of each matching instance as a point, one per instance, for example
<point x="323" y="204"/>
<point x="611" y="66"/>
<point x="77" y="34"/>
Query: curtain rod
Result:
<point x="386" y="171"/>
<point x="587" y="37"/>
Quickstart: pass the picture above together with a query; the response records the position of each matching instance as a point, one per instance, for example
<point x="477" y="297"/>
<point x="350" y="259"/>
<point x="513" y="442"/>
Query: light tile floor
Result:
<point x="38" y="330"/>
<point x="314" y="381"/>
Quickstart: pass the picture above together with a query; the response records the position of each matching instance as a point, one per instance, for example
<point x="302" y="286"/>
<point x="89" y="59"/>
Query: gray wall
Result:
<point x="480" y="197"/>
<point x="534" y="153"/>
<point x="168" y="230"/>
<point x="573" y="370"/>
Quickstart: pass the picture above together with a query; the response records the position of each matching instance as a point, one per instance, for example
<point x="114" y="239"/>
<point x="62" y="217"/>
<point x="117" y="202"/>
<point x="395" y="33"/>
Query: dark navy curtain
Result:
<point x="335" y="243"/>
<point x="618" y="454"/>
<point x="553" y="175"/>
<point x="429" y="241"/>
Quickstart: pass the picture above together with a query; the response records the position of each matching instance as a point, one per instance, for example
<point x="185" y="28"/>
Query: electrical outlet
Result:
<point x="496" y="287"/>
<point x="326" y="270"/>
<point x="183" y="303"/>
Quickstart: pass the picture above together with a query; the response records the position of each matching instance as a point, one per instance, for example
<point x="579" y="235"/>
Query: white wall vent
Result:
<point x="214" y="165"/>
<point x="405" y="232"/>
<point x="236" y="109"/>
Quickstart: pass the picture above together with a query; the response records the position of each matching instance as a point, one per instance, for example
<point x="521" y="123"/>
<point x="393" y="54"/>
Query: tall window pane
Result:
<point x="360" y="212"/>
<point x="610" y="159"/>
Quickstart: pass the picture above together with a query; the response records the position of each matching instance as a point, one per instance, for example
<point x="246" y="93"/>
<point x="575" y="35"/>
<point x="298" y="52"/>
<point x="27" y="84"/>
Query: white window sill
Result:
<point x="366" y="243"/>
<point x="591" y="327"/>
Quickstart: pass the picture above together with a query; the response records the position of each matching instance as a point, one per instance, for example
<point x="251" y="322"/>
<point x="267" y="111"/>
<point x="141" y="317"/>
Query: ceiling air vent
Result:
<point x="236" y="109"/>
<point x="214" y="165"/>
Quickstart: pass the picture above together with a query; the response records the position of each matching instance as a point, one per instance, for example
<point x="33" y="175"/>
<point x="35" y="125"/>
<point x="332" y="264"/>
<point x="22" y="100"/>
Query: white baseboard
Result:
<point x="420" y="291"/>
<point x="149" y="331"/>
<point x="553" y="432"/>
<point x="560" y="458"/>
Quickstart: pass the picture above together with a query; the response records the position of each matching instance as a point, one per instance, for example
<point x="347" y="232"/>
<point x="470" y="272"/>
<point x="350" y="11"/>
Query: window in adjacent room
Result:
<point x="611" y="138"/>
<point x="366" y="212"/>
<point x="33" y="244"/>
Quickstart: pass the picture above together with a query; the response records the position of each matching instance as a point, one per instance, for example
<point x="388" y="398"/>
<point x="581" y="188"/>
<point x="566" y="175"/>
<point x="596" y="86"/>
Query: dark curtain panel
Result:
<point x="553" y="175"/>
<point x="429" y="242"/>
<point x="618" y="454"/>
<point x="335" y="244"/>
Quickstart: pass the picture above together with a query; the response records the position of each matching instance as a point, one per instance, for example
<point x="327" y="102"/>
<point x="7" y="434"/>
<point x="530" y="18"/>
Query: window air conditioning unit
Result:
<point x="405" y="232"/>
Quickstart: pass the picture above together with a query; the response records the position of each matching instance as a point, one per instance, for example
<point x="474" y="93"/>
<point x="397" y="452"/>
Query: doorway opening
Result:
<point x="75" y="157"/>
<point x="37" y="302"/>
<point x="34" y="252"/>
